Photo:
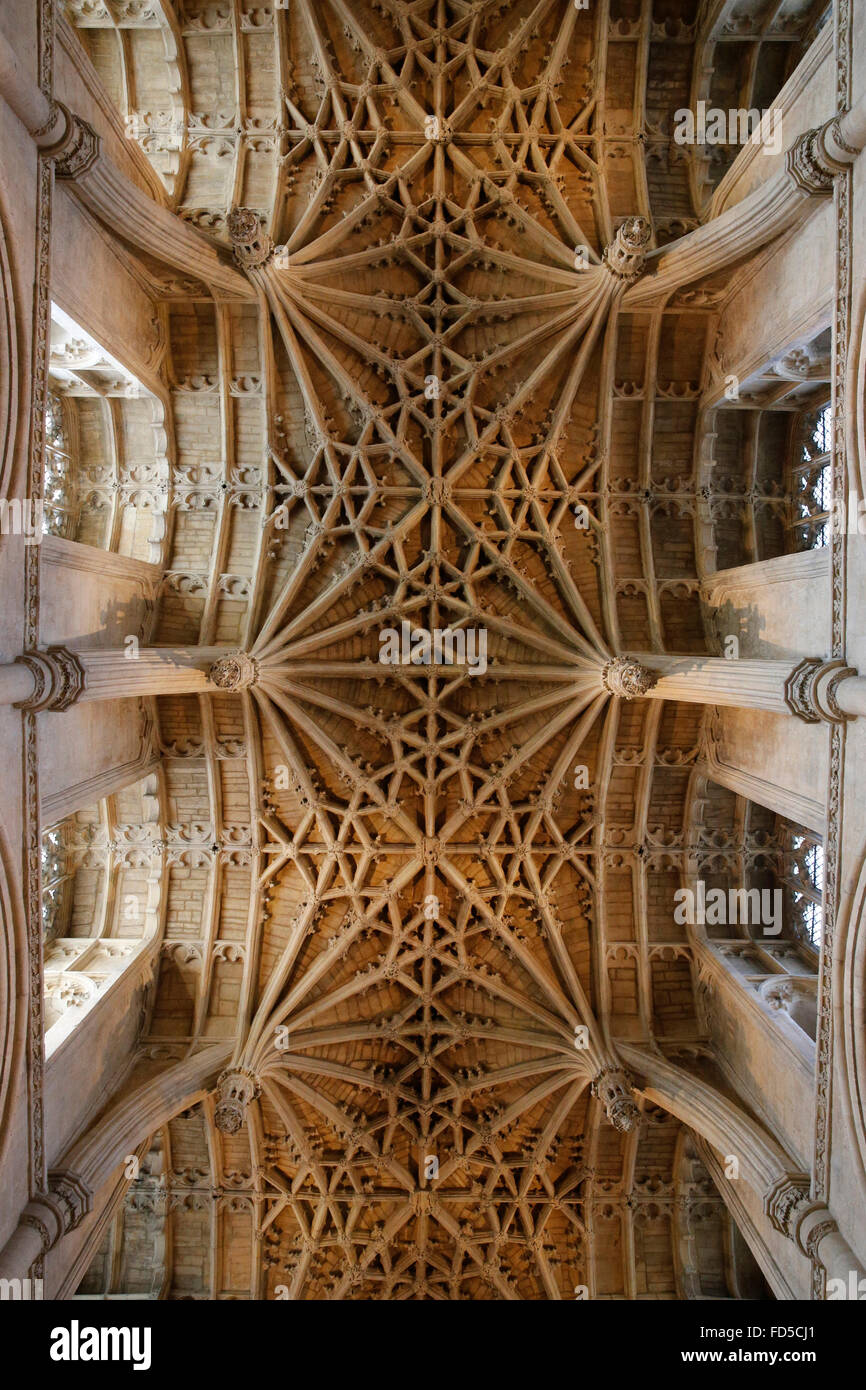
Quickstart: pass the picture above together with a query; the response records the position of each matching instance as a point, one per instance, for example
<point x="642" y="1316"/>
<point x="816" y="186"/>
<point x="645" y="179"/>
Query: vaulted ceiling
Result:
<point x="424" y="900"/>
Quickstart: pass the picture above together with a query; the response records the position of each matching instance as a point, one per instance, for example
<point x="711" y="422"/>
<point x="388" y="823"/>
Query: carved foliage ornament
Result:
<point x="237" y="671"/>
<point x="627" y="678"/>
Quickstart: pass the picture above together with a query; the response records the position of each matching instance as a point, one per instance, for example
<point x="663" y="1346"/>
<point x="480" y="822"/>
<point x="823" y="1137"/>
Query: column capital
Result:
<point x="788" y="1202"/>
<point x="252" y="245"/>
<point x="627" y="678"/>
<point x="72" y="1193"/>
<point x="78" y="149"/>
<point x="625" y="257"/>
<point x="234" y="671"/>
<point x="53" y="130"/>
<point x="811" y="690"/>
<point x="810" y="162"/>
<point x="58" y="679"/>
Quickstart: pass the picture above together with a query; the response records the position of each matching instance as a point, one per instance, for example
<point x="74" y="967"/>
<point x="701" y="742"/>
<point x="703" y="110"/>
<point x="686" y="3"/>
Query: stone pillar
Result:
<point x="47" y="121"/>
<point x="56" y="678"/>
<point x="104" y="189"/>
<point x="44" y="1221"/>
<point x="810" y="1224"/>
<point x="814" y="690"/>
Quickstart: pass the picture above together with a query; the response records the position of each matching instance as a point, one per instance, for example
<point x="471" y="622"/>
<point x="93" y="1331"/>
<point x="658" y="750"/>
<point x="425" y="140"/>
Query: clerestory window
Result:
<point x="58" y="517"/>
<point x="803" y="880"/>
<point x="811" y="482"/>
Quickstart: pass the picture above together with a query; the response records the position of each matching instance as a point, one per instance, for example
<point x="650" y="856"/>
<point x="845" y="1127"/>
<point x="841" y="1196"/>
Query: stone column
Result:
<point x="811" y="1225"/>
<point x="104" y="189"/>
<point x="814" y="690"/>
<point x="56" y="678"/>
<point x="45" y="1219"/>
<point x="47" y="121"/>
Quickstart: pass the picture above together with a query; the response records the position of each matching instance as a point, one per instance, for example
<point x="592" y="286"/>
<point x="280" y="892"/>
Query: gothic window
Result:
<point x="133" y="1253"/>
<point x="56" y="882"/>
<point x="811" y="481"/>
<point x="768" y="483"/>
<point x="743" y="67"/>
<point x="101" y="869"/>
<point x="105" y="472"/>
<point x="803" y="880"/>
<point x="58" y="516"/>
<point x="772" y="954"/>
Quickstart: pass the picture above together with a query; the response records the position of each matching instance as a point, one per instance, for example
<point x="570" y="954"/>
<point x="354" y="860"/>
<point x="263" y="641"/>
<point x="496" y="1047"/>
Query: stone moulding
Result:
<point x="58" y="679"/>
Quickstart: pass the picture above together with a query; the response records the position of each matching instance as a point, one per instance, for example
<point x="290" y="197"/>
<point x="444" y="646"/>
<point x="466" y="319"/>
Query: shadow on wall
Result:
<point x="745" y="624"/>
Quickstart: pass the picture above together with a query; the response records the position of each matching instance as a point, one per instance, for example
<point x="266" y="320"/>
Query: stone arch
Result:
<point x="850" y="1008"/>
<point x="14" y="994"/>
<point x="123" y="1129"/>
<point x="763" y="1160"/>
<point x="8" y="363"/>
